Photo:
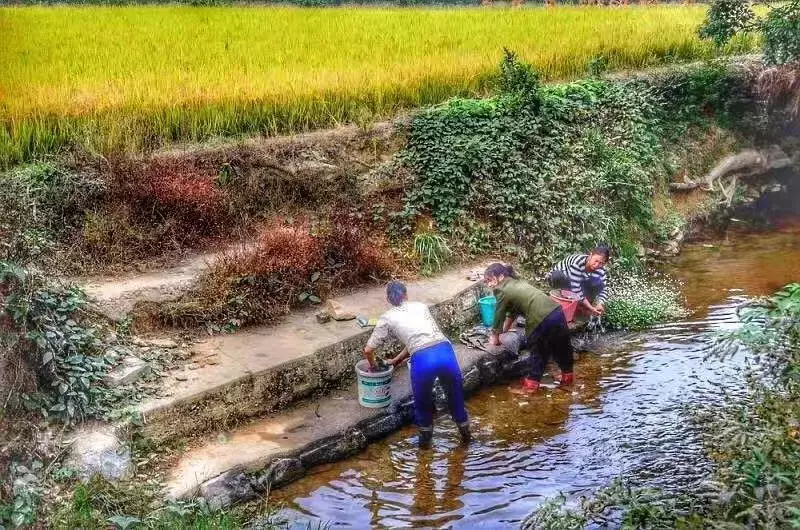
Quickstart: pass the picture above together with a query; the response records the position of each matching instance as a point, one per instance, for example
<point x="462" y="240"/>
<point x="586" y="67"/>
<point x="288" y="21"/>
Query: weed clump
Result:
<point x="638" y="301"/>
<point x="290" y="264"/>
<point x="174" y="190"/>
<point x="41" y="203"/>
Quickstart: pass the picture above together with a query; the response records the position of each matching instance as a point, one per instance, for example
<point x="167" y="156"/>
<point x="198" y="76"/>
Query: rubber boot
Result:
<point x="466" y="435"/>
<point x="529" y="386"/>
<point x="425" y="438"/>
<point x="566" y="379"/>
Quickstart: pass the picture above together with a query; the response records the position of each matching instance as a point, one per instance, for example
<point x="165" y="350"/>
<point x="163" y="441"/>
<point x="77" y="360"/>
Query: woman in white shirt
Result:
<point x="432" y="356"/>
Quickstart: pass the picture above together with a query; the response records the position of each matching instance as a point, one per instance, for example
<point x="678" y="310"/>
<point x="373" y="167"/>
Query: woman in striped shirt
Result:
<point x="585" y="276"/>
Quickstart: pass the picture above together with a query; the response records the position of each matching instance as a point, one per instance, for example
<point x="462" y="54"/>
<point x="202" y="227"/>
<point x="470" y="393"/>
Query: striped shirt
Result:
<point x="575" y="268"/>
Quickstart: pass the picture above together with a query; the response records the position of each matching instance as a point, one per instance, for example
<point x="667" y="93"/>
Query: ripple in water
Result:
<point x="629" y="415"/>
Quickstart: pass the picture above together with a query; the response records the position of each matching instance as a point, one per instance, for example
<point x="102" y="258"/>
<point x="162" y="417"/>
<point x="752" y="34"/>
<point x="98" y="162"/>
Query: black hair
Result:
<point x="396" y="292"/>
<point x="602" y="249"/>
<point x="499" y="269"/>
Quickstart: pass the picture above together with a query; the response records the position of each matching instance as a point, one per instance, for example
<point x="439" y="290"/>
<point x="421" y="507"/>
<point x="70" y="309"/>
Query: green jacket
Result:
<point x="516" y="297"/>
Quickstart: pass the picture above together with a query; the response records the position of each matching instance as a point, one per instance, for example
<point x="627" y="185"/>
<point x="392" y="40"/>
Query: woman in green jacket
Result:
<point x="546" y="328"/>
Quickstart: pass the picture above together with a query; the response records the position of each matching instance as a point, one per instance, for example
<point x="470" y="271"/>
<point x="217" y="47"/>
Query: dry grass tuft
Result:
<point x="290" y="265"/>
<point x="779" y="86"/>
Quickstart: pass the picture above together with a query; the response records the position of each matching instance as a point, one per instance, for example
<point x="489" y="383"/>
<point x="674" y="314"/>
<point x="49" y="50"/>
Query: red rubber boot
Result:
<point x="566" y="379"/>
<point x="529" y="386"/>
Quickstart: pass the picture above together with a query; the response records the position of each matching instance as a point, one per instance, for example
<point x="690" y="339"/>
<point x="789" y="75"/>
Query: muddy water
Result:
<point x="627" y="416"/>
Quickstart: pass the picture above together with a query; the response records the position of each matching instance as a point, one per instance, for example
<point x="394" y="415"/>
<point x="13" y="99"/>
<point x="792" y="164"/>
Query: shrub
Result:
<point x="551" y="169"/>
<point x="780" y="28"/>
<point x="290" y="264"/>
<point x="173" y="189"/>
<point x="40" y="204"/>
<point x="44" y="328"/>
<point x="353" y="253"/>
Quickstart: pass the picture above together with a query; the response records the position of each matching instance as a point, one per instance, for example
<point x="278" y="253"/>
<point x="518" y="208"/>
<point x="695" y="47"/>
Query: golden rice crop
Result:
<point x="135" y="78"/>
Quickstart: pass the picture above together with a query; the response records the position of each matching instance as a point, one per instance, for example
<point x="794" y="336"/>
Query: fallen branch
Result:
<point x="683" y="186"/>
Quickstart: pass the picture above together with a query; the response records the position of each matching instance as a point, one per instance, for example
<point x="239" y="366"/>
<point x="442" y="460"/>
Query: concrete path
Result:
<point x="117" y="295"/>
<point x="262" y="369"/>
<point x="284" y="446"/>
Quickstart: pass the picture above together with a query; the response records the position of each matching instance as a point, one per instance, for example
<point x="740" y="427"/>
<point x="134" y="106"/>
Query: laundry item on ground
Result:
<point x="365" y="322"/>
<point x="476" y="337"/>
<point x="595" y="324"/>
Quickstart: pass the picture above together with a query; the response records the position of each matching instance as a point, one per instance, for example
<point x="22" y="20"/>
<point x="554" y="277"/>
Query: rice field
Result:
<point x="136" y="78"/>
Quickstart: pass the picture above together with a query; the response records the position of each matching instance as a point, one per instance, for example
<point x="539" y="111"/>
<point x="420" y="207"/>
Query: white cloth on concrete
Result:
<point x="411" y="323"/>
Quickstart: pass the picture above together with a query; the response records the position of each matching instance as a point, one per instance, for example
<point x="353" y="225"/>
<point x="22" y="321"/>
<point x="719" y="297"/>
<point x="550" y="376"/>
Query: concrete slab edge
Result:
<point x="284" y="468"/>
<point x="281" y="386"/>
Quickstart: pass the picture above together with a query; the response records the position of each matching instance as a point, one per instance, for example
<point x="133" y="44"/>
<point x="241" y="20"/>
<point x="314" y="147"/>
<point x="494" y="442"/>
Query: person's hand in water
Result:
<point x="600" y="308"/>
<point x="590" y="308"/>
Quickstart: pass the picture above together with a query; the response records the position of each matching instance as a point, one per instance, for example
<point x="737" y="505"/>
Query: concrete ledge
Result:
<point x="275" y="451"/>
<point x="262" y="370"/>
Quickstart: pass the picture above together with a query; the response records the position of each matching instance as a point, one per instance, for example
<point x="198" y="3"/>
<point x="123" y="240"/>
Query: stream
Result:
<point x="629" y="414"/>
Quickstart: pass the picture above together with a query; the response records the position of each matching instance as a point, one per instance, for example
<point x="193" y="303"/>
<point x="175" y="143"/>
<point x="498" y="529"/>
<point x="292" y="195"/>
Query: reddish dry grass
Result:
<point x="166" y="205"/>
<point x="261" y="283"/>
<point x="176" y="189"/>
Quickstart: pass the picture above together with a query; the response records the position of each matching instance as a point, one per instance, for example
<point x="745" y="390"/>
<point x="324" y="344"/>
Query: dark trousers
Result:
<point x="590" y="287"/>
<point x="435" y="361"/>
<point x="550" y="338"/>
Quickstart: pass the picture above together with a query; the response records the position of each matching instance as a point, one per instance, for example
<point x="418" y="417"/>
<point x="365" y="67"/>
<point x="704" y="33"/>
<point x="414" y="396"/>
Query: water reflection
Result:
<point x="628" y="414"/>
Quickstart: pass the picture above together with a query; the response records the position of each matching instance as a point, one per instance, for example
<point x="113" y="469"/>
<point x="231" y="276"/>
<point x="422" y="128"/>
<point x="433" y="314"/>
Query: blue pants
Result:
<point x="427" y="364"/>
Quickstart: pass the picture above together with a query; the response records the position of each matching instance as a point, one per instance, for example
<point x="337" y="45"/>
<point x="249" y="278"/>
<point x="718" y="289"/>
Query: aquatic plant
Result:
<point x="618" y="505"/>
<point x="640" y="300"/>
<point x="756" y="441"/>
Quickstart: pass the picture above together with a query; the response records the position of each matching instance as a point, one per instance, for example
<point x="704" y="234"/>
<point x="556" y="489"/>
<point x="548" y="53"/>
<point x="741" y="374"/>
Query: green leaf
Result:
<point x="124" y="522"/>
<point x="315" y="276"/>
<point x="47" y="357"/>
<point x="314" y="299"/>
<point x="303" y="296"/>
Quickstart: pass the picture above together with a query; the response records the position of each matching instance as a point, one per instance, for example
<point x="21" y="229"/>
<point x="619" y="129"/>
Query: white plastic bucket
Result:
<point x="374" y="388"/>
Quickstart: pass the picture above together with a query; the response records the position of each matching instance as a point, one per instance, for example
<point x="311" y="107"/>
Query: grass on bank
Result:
<point x="135" y="78"/>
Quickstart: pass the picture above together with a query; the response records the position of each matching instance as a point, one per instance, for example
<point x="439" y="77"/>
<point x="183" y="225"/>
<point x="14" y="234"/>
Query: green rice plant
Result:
<point x="432" y="251"/>
<point x="137" y="78"/>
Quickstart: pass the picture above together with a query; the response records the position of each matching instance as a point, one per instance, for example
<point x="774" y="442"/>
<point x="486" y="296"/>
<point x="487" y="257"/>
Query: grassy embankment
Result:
<point x="136" y="78"/>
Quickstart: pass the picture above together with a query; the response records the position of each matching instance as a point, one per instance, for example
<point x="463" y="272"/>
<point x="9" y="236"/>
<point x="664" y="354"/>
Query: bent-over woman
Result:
<point x="546" y="328"/>
<point x="432" y="356"/>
